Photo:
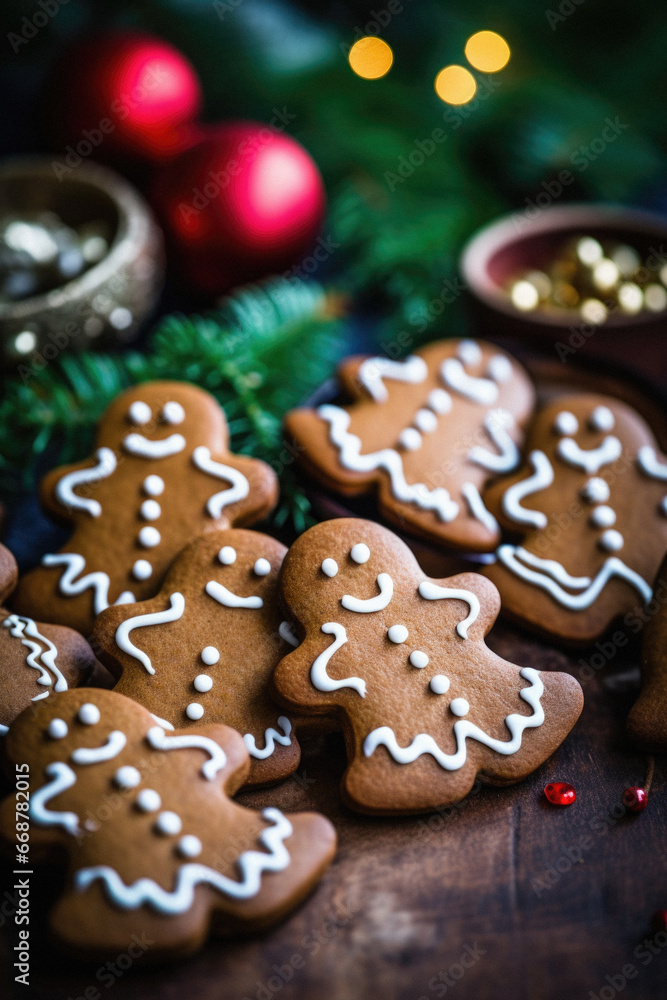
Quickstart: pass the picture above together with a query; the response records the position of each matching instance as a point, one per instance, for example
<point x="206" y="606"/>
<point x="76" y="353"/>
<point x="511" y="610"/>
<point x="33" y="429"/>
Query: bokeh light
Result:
<point x="455" y="85"/>
<point x="371" y="57"/>
<point x="487" y="51"/>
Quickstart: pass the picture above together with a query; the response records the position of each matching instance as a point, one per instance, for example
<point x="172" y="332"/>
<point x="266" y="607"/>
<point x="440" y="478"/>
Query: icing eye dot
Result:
<point x="566" y="423"/>
<point x="142" y="569"/>
<point x="595" y="491"/>
<point x="148" y="800"/>
<point x="469" y="352"/>
<point x="459" y="706"/>
<point x="227" y="555"/>
<point x="611" y="540"/>
<point x="439" y="401"/>
<point x="499" y="368"/>
<point x="329" y="567"/>
<point x="150" y="510"/>
<point x="426" y="421"/>
<point x="154" y="486"/>
<point x="418" y="659"/>
<point x="139" y="412"/>
<point x="262" y="567"/>
<point x="601" y="419"/>
<point x="397" y="633"/>
<point x="57" y="729"/>
<point x="194" y="711"/>
<point x="127" y="777"/>
<point x="360" y="553"/>
<point x="173" y="413"/>
<point x="168" y="823"/>
<point x="89" y="714"/>
<point x="440" y="685"/>
<point x="149" y="537"/>
<point x="203" y="682"/>
<point x="210" y="655"/>
<point x="603" y="517"/>
<point x="189" y="846"/>
<point x="410" y="439"/>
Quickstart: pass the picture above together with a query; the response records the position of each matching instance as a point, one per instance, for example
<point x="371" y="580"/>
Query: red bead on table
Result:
<point x="560" y="793"/>
<point x="635" y="799"/>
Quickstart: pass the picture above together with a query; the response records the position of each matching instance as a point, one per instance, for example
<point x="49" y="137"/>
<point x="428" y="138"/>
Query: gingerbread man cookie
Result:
<point x="206" y="645"/>
<point x="647" y="722"/>
<point x="35" y="659"/>
<point x="160" y="475"/>
<point x="427" y="433"/>
<point x="592" y="505"/>
<point x="154" y="845"/>
<point x="400" y="661"/>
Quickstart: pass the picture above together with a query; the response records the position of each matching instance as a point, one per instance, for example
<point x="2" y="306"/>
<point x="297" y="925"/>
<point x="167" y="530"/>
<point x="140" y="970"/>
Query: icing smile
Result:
<point x="137" y="444"/>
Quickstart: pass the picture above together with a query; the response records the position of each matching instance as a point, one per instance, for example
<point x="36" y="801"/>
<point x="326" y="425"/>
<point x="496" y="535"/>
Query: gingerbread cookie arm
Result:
<point x="243" y="490"/>
<point x="67" y="492"/>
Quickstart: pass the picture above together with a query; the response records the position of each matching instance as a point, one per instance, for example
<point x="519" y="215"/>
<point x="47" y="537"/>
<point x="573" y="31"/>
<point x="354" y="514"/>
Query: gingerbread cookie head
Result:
<point x="647" y="722"/>
<point x="36" y="660"/>
<point x="154" y="845"/>
<point x="400" y="661"/>
<point x="161" y="474"/>
<point x="427" y="433"/>
<point x="204" y="648"/>
<point x="591" y="504"/>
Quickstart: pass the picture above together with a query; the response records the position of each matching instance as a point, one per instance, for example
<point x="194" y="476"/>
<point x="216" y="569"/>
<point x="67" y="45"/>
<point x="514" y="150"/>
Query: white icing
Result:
<point x="57" y="729"/>
<point x="161" y="722"/>
<point x="160" y="740"/>
<point x="127" y="777"/>
<point x="418" y="659"/>
<point x="149" y="537"/>
<point x="230" y="600"/>
<point x="271" y="737"/>
<point x="499" y="368"/>
<point x="549" y="574"/>
<point x="372" y="371"/>
<point x="286" y="632"/>
<point x="210" y="655"/>
<point x="262" y="567"/>
<point x="542" y="477"/>
<point x="143" y="447"/>
<point x="318" y="672"/>
<point x="397" y="633"/>
<point x="377" y="603"/>
<point x="202" y="683"/>
<point x="3" y="729"/>
<point x="650" y="464"/>
<point x="595" y="491"/>
<point x="591" y="460"/>
<point x="434" y="592"/>
<point x="611" y="540"/>
<point x="469" y="352"/>
<point x="127" y="597"/>
<point x="38" y="697"/>
<point x="360" y="553"/>
<point x="329" y="567"/>
<point x="173" y="413"/>
<point x="25" y="629"/>
<point x="566" y="423"/>
<point x="440" y="401"/>
<point x="478" y="509"/>
<point x="168" y="823"/>
<point x="227" y="555"/>
<point x="153" y="486"/>
<point x="106" y="465"/>
<point x="496" y="423"/>
<point x="148" y="800"/>
<point x="389" y="460"/>
<point x="459" y="706"/>
<point x="410" y="439"/>
<point x="602" y="517"/>
<point x="194" y="711"/>
<point x="602" y="419"/>
<point x="479" y="390"/>
<point x="189" y="846"/>
<point x="426" y="421"/>
<point x="239" y="489"/>
<point x="439" y="684"/>
<point x="63" y="777"/>
<point x="89" y="714"/>
<point x="251" y="865"/>
<point x="108" y="750"/>
<point x="75" y="564"/>
<point x="150" y="510"/>
<point x="139" y="412"/>
<point x="142" y="569"/>
<point x="463" y="730"/>
<point x="170" y="614"/>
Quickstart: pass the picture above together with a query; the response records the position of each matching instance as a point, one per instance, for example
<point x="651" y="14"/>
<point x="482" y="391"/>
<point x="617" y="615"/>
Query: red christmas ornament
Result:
<point x="123" y="95"/>
<point x="635" y="799"/>
<point x="243" y="202"/>
<point x="659" y="920"/>
<point x="560" y="793"/>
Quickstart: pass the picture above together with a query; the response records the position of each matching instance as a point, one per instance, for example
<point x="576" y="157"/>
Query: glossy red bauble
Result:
<point x="126" y="96"/>
<point x="560" y="793"/>
<point x="243" y="202"/>
<point x="635" y="799"/>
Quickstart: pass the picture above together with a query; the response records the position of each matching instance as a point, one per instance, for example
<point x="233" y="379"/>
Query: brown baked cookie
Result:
<point x="427" y="433"/>
<point x="647" y="722"/>
<point x="160" y="475"/>
<point x="591" y="504"/>
<point x="35" y="659"/>
<point x="205" y="647"/>
<point x="400" y="661"/>
<point x="153" y="845"/>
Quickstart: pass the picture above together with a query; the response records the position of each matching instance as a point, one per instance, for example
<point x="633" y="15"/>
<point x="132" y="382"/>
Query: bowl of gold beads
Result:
<point x="81" y="261"/>
<point x="576" y="277"/>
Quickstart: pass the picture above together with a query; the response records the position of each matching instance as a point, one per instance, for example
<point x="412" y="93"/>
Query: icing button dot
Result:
<point x="410" y="439"/>
<point x="440" y="685"/>
<point x="499" y="369"/>
<point x="602" y="419"/>
<point x="360" y="553"/>
<point x="168" y="823"/>
<point x="149" y="537"/>
<point x="603" y="517"/>
<point x="426" y="421"/>
<point x="203" y="682"/>
<point x="227" y="555"/>
<point x="459" y="706"/>
<point x="148" y="800"/>
<point x="189" y="846"/>
<point x="58" y="729"/>
<point x="418" y="659"/>
<point x="210" y="655"/>
<point x="150" y="510"/>
<point x="139" y="412"/>
<point x="127" y="777"/>
<point x="262" y="567"/>
<point x="566" y="423"/>
<point x="89" y="714"/>
<point x="439" y="401"/>
<point x="142" y="569"/>
<point x="194" y="711"/>
<point x="173" y="413"/>
<point x="611" y="540"/>
<point x="153" y="486"/>
<point x="329" y="567"/>
<point x="469" y="352"/>
<point x="397" y="633"/>
<point x="595" y="490"/>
